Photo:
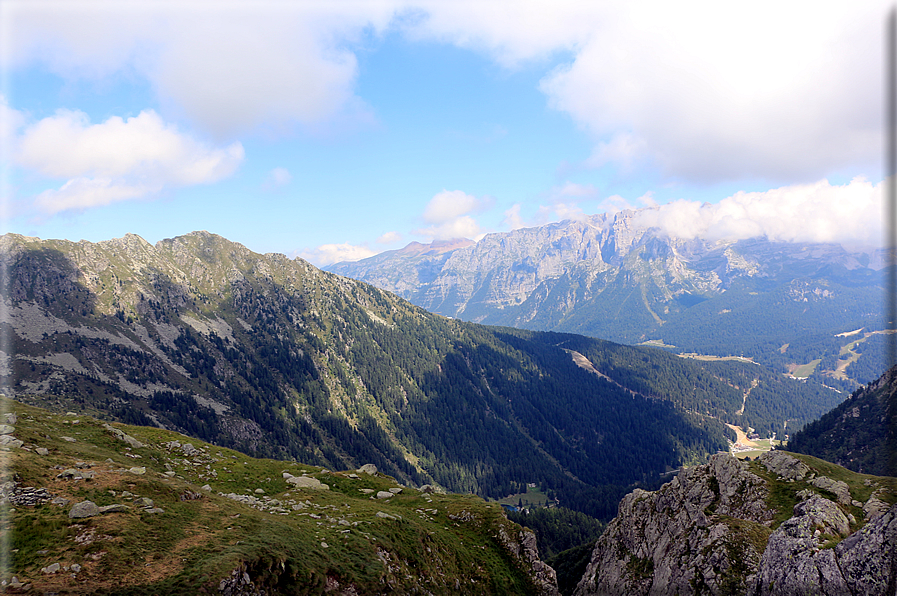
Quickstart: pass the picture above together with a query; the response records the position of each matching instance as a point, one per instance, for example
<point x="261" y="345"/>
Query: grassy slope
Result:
<point x="434" y="541"/>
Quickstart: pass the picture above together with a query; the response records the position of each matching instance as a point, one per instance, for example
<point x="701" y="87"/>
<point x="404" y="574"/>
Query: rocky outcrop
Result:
<point x="568" y="276"/>
<point x="696" y="534"/>
<point x="712" y="530"/>
<point x="523" y="547"/>
<point x="801" y="557"/>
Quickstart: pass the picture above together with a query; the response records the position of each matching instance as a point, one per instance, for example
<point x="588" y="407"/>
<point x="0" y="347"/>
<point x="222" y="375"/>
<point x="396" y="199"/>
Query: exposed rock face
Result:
<point x="785" y="467"/>
<point x="797" y="561"/>
<point x="523" y="546"/>
<point x="682" y="538"/>
<point x="710" y="531"/>
<point x="562" y="276"/>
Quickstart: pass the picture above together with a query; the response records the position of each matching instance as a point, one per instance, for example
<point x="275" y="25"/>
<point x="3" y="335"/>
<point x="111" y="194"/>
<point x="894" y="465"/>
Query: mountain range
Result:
<point x="371" y="407"/>
<point x="276" y="358"/>
<point x="617" y="277"/>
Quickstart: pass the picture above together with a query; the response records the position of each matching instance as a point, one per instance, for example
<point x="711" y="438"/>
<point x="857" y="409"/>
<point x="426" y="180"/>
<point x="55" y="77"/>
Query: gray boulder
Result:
<point x="10" y="441"/>
<point x="307" y="482"/>
<point x="836" y="487"/>
<point x="786" y="467"/>
<point x="84" y="509"/>
<point x="794" y="561"/>
<point x="122" y="436"/>
<point x="116" y="508"/>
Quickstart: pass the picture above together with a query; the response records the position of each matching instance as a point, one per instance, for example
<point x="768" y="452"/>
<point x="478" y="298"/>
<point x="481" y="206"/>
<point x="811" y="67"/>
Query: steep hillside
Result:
<point x="91" y="508"/>
<point x="859" y="434"/>
<point x="613" y="277"/>
<point x="276" y="358"/>
<point x="786" y="524"/>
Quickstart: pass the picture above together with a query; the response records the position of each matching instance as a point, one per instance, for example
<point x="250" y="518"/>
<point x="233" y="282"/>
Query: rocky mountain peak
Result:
<point x="765" y="528"/>
<point x="617" y="277"/>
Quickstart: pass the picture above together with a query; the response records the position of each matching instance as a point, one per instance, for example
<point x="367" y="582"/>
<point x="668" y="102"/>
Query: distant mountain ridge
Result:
<point x="608" y="276"/>
<point x="277" y="358"/>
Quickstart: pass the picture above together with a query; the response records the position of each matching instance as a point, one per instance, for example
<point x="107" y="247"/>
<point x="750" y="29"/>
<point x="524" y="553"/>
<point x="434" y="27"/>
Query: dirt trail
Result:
<point x="747" y="392"/>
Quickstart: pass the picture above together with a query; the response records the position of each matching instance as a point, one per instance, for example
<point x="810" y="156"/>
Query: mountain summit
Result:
<point x="614" y="276"/>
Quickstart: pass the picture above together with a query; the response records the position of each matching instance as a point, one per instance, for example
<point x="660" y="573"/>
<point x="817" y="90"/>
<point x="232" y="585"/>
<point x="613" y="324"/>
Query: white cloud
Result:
<point x="704" y="90"/>
<point x="83" y="193"/>
<point x="623" y="150"/>
<point x="448" y="212"/>
<point x="515" y="33"/>
<point x="616" y="203"/>
<point x="389" y="238"/>
<point x="449" y="205"/>
<point x="11" y="120"/>
<point x="850" y="214"/>
<point x="118" y="159"/>
<point x="560" y="211"/>
<point x="713" y="91"/>
<point x="564" y="202"/>
<point x="460" y="227"/>
<point x="327" y="254"/>
<point x="229" y="66"/>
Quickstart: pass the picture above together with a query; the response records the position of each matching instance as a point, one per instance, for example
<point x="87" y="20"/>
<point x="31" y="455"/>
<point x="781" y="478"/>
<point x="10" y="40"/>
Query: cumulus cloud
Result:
<point x="448" y="212"/>
<point x="449" y="205"/>
<point x="118" y="159"/>
<point x="849" y="214"/>
<point x="389" y="238"/>
<point x="327" y="254"/>
<point x="615" y="203"/>
<point x="11" y="120"/>
<point x="793" y="96"/>
<point x="228" y="66"/>
<point x="564" y="202"/>
<point x="705" y="90"/>
<point x="512" y="219"/>
<point x="83" y="193"/>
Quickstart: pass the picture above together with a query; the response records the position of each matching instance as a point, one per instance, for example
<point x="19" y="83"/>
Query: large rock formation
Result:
<point x="773" y="527"/>
<point x="616" y="277"/>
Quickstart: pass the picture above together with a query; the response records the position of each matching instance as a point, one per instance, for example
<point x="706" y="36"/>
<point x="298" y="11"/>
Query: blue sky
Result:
<point x="335" y="130"/>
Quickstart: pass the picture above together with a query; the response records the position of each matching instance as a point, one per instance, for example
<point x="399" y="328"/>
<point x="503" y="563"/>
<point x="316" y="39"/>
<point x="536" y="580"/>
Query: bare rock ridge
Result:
<point x="778" y="526"/>
<point x="614" y="276"/>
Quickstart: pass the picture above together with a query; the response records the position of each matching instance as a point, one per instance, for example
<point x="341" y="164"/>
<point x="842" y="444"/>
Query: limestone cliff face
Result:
<point x="719" y="529"/>
<point x="582" y="276"/>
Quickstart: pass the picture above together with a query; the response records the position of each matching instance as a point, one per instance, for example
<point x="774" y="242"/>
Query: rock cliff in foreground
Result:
<point x="782" y="525"/>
